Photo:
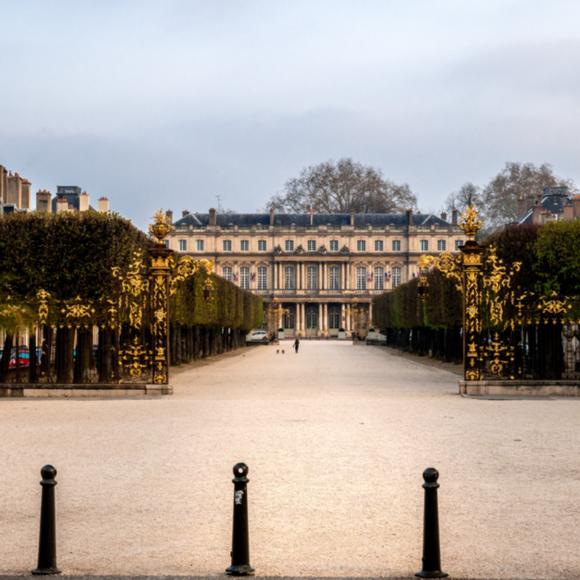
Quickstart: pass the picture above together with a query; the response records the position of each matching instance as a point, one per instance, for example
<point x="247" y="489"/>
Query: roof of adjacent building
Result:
<point x="303" y="220"/>
<point x="553" y="201"/>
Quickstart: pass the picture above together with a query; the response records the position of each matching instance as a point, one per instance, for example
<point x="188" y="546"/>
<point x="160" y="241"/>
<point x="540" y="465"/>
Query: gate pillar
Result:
<point x="159" y="273"/>
<point x="472" y="297"/>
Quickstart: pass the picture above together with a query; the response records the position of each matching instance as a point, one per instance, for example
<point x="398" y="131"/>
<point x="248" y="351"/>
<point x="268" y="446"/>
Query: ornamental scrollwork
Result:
<point x="77" y="313"/>
<point x="135" y="359"/>
<point x="43" y="297"/>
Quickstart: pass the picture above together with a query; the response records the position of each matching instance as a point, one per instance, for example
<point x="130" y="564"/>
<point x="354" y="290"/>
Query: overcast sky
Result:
<point x="170" y="103"/>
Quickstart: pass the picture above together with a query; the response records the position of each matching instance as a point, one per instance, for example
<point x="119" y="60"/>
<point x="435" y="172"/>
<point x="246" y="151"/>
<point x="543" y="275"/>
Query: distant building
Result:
<point x="318" y="272"/>
<point x="68" y="198"/>
<point x="14" y="191"/>
<point x="554" y="204"/>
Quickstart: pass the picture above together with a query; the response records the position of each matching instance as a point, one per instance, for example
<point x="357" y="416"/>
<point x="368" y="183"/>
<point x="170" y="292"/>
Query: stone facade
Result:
<point x="317" y="273"/>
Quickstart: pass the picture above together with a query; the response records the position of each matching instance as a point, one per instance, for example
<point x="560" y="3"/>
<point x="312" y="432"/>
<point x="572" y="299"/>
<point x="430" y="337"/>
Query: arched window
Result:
<point x="227" y="273"/>
<point x="311" y="277"/>
<point x="334" y="273"/>
<point x="396" y="276"/>
<point x="245" y="278"/>
<point x="262" y="278"/>
<point x="290" y="278"/>
<point x="361" y="278"/>
<point x="379" y="278"/>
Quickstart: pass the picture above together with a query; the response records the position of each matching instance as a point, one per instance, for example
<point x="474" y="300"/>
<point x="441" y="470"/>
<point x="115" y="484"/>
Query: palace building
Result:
<point x="317" y="273"/>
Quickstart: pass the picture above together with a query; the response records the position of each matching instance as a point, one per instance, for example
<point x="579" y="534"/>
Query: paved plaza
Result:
<point x="336" y="438"/>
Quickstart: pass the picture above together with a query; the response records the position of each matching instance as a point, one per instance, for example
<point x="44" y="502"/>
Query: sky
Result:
<point x="174" y="103"/>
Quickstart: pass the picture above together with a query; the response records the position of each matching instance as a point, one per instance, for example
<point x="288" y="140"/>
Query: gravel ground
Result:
<point x="336" y="438"/>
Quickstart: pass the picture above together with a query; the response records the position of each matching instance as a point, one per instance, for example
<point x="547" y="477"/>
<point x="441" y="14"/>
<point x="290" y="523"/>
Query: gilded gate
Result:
<point x="123" y="338"/>
<point x="508" y="332"/>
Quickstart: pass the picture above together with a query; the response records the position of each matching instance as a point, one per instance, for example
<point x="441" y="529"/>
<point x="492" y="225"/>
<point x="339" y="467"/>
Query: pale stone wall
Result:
<point x="312" y="299"/>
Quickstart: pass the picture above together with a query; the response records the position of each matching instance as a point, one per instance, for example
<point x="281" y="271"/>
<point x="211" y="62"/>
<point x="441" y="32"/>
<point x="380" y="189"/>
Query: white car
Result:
<point x="375" y="337"/>
<point x="259" y="336"/>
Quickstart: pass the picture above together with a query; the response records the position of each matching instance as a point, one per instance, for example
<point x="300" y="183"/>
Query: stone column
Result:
<point x="320" y="319"/>
<point x="320" y="276"/>
<point x="342" y="316"/>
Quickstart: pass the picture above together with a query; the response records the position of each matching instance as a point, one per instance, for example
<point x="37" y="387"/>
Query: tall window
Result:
<point x="183" y="245"/>
<point x="227" y="273"/>
<point x="289" y="245"/>
<point x="441" y="245"/>
<point x="458" y="244"/>
<point x="334" y="273"/>
<point x="424" y="245"/>
<point x="199" y="245"/>
<point x="379" y="278"/>
<point x="244" y="245"/>
<point x="361" y="278"/>
<point x="262" y="278"/>
<point x="227" y="245"/>
<point x="261" y="245"/>
<point x="311" y="277"/>
<point x="312" y="245"/>
<point x="361" y="245"/>
<point x="396" y="245"/>
<point x="245" y="277"/>
<point x="290" y="278"/>
<point x="334" y="316"/>
<point x="334" y="245"/>
<point x="396" y="276"/>
<point x="379" y="246"/>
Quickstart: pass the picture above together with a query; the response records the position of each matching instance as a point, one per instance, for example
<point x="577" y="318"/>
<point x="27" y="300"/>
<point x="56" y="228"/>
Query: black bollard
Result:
<point x="240" y="535"/>
<point x="47" y="542"/>
<point x="431" y="550"/>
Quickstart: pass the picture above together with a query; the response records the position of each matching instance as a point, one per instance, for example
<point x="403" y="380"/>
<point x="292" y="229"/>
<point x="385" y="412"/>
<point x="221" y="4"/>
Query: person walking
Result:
<point x="297" y="344"/>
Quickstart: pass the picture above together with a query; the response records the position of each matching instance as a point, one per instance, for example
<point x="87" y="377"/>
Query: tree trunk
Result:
<point x="32" y="360"/>
<point x="105" y="367"/>
<point x="5" y="360"/>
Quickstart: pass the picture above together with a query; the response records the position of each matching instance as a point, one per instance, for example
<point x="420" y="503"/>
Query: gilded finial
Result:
<point x="161" y="226"/>
<point x="470" y="222"/>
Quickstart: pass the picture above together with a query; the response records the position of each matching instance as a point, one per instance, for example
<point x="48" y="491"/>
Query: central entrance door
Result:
<point x="312" y="319"/>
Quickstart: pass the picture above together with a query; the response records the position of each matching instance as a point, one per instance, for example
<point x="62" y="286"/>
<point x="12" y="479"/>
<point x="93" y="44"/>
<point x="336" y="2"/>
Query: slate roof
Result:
<point x="361" y="220"/>
<point x="553" y="200"/>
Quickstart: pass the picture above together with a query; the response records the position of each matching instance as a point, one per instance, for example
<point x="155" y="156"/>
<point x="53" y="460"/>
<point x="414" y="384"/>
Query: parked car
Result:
<point x="257" y="336"/>
<point x="23" y="357"/>
<point x="375" y="337"/>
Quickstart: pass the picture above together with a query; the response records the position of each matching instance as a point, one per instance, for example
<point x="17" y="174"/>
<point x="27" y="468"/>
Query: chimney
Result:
<point x="454" y="215"/>
<point x="271" y="216"/>
<point x="184" y="213"/>
<point x="212" y="216"/>
<point x="83" y="202"/>
<point x="25" y="194"/>
<point x="103" y="205"/>
<point x="537" y="213"/>
<point x="444" y="216"/>
<point x="169" y="215"/>
<point x="352" y="218"/>
<point x="311" y="216"/>
<point x="43" y="200"/>
<point x="409" y="214"/>
<point x="61" y="204"/>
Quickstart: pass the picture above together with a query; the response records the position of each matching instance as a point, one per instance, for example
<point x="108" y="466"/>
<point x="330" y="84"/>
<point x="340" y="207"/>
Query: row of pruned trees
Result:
<point x="76" y="329"/>
<point x="429" y="321"/>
